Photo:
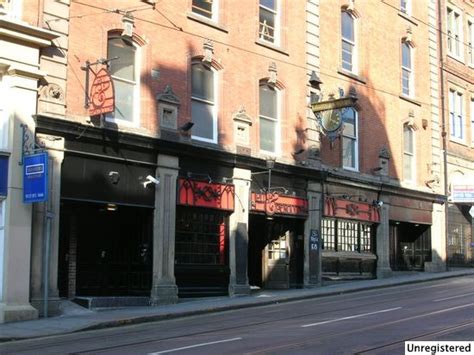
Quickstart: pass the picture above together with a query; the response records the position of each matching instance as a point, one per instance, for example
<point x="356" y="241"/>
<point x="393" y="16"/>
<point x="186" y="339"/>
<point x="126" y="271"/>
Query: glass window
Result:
<point x="408" y="154"/>
<point x="346" y="235"/>
<point x="472" y="120"/>
<point x="268" y="20"/>
<point x="348" y="41"/>
<point x="205" y="8"/>
<point x="203" y="103"/>
<point x="201" y="237"/>
<point x="405" y="6"/>
<point x="406" y="69"/>
<point x="125" y="76"/>
<point x="454" y="33"/>
<point x="350" y="151"/>
<point x="268" y="118"/>
<point x="456" y="117"/>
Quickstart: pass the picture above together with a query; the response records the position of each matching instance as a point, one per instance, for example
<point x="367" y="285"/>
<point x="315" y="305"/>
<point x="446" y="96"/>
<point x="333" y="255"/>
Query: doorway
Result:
<point x="410" y="246"/>
<point x="276" y="254"/>
<point x="105" y="250"/>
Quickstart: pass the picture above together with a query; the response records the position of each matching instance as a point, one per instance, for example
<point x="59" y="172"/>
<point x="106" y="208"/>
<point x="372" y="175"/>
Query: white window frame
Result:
<point x="277" y="29"/>
<point x="354" y="138"/>
<point x="3" y="206"/>
<point x="13" y="9"/>
<point x="456" y="116"/>
<point x="214" y="104"/>
<point x="470" y="44"/>
<point x="214" y="11"/>
<point x="409" y="155"/>
<point x="135" y="121"/>
<point x="276" y="119"/>
<point x="353" y="44"/>
<point x="3" y="116"/>
<point x="454" y="30"/>
<point x="408" y="70"/>
<point x="405" y="7"/>
<point x="472" y="120"/>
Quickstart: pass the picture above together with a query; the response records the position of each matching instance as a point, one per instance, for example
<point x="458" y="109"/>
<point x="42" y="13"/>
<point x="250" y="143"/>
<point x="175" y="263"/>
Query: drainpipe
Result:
<point x="443" y="128"/>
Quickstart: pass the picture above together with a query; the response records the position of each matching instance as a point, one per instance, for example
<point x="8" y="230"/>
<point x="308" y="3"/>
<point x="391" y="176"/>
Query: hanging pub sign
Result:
<point x="102" y="98"/>
<point x="35" y="178"/>
<point x="342" y="208"/>
<point x="205" y="194"/>
<point x="282" y="205"/>
<point x="329" y="113"/>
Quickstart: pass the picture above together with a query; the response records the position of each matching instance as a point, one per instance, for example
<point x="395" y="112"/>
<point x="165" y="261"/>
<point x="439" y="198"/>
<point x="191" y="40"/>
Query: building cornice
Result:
<point x="26" y="33"/>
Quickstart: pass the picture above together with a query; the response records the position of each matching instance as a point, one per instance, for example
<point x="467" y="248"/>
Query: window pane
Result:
<point x="124" y="66"/>
<point x="203" y="8"/>
<point x="267" y="135"/>
<point x="347" y="49"/>
<point x="347" y="26"/>
<point x="202" y="82"/>
<point x="406" y="58"/>
<point x="267" y="25"/>
<point x="408" y="140"/>
<point x="407" y="167"/>
<point x="268" y="102"/>
<point x="202" y="116"/>
<point x="348" y="117"/>
<point x="348" y="152"/>
<point x="268" y="3"/>
<point x="405" y="82"/>
<point x="124" y="93"/>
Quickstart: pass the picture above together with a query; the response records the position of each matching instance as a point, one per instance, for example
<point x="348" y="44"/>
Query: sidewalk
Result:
<point x="87" y="319"/>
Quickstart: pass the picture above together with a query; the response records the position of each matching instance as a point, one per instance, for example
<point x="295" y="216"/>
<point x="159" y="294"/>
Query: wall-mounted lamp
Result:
<point x="187" y="126"/>
<point x="114" y="177"/>
<point x="377" y="203"/>
<point x="150" y="180"/>
<point x="111" y="207"/>
<point x="314" y="80"/>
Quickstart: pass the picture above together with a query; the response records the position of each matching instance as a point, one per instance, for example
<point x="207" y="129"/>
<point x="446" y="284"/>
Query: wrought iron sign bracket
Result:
<point x="28" y="143"/>
<point x="87" y="67"/>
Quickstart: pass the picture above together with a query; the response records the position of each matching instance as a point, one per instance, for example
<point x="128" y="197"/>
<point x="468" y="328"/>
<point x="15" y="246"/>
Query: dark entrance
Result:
<point x="410" y="246"/>
<point x="276" y="253"/>
<point x="105" y="250"/>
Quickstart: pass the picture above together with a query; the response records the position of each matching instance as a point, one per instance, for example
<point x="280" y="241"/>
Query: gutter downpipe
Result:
<point x="443" y="129"/>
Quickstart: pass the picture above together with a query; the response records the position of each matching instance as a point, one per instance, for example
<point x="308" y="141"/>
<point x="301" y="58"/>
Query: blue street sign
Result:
<point x="35" y="178"/>
<point x="3" y="175"/>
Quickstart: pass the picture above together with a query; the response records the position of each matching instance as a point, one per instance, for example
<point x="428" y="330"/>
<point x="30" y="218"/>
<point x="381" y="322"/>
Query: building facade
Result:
<point x="198" y="149"/>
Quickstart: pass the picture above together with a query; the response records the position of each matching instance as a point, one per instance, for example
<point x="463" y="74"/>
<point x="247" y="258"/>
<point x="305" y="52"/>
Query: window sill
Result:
<point x="456" y="58"/>
<point x="271" y="46"/>
<point x="458" y="141"/>
<point x="206" y="22"/>
<point x="410" y="100"/>
<point x="407" y="17"/>
<point x="351" y="75"/>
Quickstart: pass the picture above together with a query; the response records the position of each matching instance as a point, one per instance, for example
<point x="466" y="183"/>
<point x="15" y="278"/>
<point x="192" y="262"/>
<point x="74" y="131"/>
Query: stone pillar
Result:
<point x="15" y="246"/>
<point x="438" y="240"/>
<point x="383" y="241"/>
<point x="164" y="289"/>
<point x="312" y="229"/>
<point x="41" y="211"/>
<point x="239" y="237"/>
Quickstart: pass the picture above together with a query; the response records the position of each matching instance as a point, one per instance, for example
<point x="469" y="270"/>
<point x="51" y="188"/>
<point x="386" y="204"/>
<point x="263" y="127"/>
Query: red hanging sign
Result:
<point x="276" y="204"/>
<point x="102" y="98"/>
<point x="341" y="208"/>
<point x="203" y="194"/>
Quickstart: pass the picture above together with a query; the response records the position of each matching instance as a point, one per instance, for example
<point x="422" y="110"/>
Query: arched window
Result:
<point x="348" y="41"/>
<point x="203" y="103"/>
<point x="268" y="118"/>
<point x="126" y="77"/>
<point x="408" y="154"/>
<point x="350" y="140"/>
<point x="407" y="70"/>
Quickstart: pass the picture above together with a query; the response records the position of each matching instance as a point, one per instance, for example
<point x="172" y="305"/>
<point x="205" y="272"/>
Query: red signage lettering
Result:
<point x="203" y="194"/>
<point x="102" y="98"/>
<point x="274" y="203"/>
<point x="361" y="211"/>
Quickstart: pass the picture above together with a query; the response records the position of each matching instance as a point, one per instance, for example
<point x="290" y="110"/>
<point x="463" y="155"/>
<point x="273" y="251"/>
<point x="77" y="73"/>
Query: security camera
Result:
<point x="149" y="180"/>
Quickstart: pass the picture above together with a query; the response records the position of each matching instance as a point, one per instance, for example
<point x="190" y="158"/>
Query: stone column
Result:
<point x="438" y="240"/>
<point x="164" y="289"/>
<point x="15" y="246"/>
<point x="383" y="241"/>
<point x="41" y="211"/>
<point x="312" y="228"/>
<point x="239" y="237"/>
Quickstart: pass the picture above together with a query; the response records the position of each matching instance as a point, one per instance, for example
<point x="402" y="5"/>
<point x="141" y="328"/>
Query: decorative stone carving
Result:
<point x="52" y="92"/>
<point x="272" y="74"/>
<point x="168" y="104"/>
<point x="242" y="123"/>
<point x="168" y="96"/>
<point x="208" y="49"/>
